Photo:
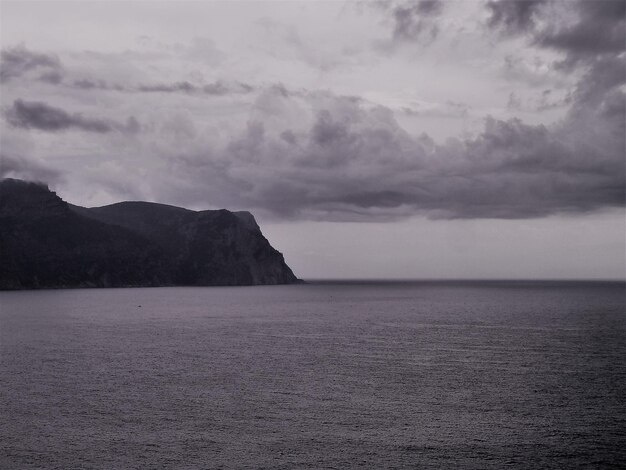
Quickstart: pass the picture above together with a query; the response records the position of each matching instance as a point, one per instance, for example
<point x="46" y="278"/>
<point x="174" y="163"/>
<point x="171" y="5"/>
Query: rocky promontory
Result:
<point x="47" y="243"/>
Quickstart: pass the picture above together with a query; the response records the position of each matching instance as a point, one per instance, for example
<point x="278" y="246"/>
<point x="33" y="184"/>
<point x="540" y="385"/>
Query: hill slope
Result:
<point x="48" y="243"/>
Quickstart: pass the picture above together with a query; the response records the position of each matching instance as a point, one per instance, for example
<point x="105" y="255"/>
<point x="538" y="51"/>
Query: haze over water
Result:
<point x="322" y="375"/>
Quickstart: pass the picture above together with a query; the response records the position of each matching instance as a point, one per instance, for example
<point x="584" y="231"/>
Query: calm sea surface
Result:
<point x="325" y="375"/>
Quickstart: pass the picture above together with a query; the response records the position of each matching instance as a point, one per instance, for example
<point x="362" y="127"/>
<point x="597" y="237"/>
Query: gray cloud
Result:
<point x="592" y="42"/>
<point x="87" y="84"/>
<point x="537" y="102"/>
<point x="604" y="77"/>
<point x="513" y="102"/>
<point x="352" y="162"/>
<point x="548" y="101"/>
<point x="414" y="20"/>
<point x="599" y="51"/>
<point x="600" y="29"/>
<point x="41" y="116"/>
<point x="17" y="61"/>
<point x="315" y="155"/>
<point x="217" y="88"/>
<point x="348" y="160"/>
<point x="286" y="42"/>
<point x="535" y="72"/>
<point x="449" y="109"/>
<point x="12" y="166"/>
<point x="184" y="87"/>
<point x="53" y="77"/>
<point x="513" y="16"/>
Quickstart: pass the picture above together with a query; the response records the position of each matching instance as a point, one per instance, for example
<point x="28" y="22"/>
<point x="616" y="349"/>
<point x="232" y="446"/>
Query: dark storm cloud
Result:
<point x="353" y="162"/>
<point x="596" y="44"/>
<point x="347" y="160"/>
<point x="17" y="61"/>
<point x="592" y="42"/>
<point x="513" y="16"/>
<point x="605" y="76"/>
<point x="41" y="116"/>
<point x="600" y="29"/>
<point x="314" y="155"/>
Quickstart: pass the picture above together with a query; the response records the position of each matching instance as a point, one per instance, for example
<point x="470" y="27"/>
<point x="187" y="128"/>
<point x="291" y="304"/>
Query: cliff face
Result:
<point x="47" y="243"/>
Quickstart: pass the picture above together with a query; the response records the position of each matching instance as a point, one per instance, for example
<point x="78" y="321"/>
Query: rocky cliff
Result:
<point x="48" y="243"/>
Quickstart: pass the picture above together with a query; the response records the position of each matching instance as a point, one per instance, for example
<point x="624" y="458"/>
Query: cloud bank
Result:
<point x="41" y="116"/>
<point x="18" y="61"/>
<point x="303" y="153"/>
<point x="354" y="163"/>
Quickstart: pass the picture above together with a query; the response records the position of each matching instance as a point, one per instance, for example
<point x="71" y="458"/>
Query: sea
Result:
<point x="323" y="375"/>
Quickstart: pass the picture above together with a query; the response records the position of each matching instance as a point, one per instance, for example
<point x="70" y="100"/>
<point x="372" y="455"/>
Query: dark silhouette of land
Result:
<point x="47" y="243"/>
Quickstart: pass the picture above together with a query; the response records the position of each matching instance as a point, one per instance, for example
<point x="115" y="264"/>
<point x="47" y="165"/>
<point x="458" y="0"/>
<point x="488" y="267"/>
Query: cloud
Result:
<point x="18" y="61"/>
<point x="583" y="30"/>
<point x="12" y="166"/>
<point x="202" y="49"/>
<point x="599" y="29"/>
<point x="302" y="154"/>
<point x="88" y="84"/>
<point x="184" y="87"/>
<point x="36" y="66"/>
<point x="316" y="155"/>
<point x="514" y="102"/>
<point x="343" y="158"/>
<point x="415" y="21"/>
<point x="412" y="21"/>
<point x="41" y="116"/>
<point x="218" y="88"/>
<point x="346" y="160"/>
<point x="534" y="72"/>
<point x="548" y="100"/>
<point x="592" y="44"/>
<point x="287" y="43"/>
<point x="513" y="17"/>
<point x="449" y="109"/>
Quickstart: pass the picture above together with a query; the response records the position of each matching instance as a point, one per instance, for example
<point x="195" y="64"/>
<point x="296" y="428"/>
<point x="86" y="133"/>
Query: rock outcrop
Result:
<point x="48" y="243"/>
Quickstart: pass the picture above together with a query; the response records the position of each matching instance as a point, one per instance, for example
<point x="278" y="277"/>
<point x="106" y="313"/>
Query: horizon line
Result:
<point x="451" y="279"/>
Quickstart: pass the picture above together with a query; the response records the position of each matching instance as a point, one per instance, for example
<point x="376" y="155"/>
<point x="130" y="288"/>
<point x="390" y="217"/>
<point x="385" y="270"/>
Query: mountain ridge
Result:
<point x="46" y="242"/>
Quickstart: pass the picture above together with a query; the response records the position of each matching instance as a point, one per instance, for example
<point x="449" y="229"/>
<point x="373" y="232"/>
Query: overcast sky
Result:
<point x="426" y="139"/>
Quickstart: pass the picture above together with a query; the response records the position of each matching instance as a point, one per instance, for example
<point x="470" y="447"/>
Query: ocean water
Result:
<point x="324" y="375"/>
